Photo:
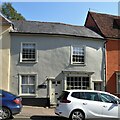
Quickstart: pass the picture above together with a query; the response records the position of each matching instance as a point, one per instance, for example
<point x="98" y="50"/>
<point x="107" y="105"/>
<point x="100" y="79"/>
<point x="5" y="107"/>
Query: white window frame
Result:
<point x="117" y="82"/>
<point x="36" y="53"/>
<point x="82" y="81"/>
<point x="20" y="83"/>
<point x="78" y="63"/>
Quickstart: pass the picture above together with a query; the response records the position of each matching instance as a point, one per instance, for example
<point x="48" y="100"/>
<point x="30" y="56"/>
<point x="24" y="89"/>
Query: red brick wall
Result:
<point x="112" y="64"/>
<point x="112" y="57"/>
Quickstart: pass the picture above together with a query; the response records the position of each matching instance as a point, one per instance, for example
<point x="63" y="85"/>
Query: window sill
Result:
<point x="27" y="95"/>
<point x="78" y="64"/>
<point x="28" y="62"/>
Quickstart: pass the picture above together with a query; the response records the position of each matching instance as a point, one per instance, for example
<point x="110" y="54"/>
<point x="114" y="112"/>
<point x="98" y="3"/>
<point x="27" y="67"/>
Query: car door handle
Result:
<point x="104" y="106"/>
<point x="84" y="103"/>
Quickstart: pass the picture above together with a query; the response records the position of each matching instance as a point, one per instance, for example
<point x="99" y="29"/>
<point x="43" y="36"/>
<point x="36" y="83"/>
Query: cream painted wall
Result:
<point x="5" y="57"/>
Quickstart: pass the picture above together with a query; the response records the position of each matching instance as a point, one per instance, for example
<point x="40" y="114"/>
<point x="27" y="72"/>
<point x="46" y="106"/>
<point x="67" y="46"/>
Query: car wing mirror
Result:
<point x="116" y="102"/>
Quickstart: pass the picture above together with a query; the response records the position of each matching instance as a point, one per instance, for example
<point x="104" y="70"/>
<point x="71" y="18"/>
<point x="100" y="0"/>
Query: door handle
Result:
<point x="84" y="103"/>
<point x="104" y="106"/>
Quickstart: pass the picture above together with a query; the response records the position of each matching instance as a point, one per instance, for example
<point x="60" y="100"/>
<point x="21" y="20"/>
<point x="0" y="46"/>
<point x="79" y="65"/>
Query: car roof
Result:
<point x="90" y="91"/>
<point x="83" y="91"/>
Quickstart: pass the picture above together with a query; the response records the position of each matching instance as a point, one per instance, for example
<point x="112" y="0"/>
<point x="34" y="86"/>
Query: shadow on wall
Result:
<point x="42" y="102"/>
<point x="111" y="84"/>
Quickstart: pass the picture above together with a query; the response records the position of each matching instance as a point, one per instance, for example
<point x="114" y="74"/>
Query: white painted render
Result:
<point x="54" y="59"/>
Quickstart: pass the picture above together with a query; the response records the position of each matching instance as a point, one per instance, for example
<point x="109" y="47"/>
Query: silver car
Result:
<point x="82" y="104"/>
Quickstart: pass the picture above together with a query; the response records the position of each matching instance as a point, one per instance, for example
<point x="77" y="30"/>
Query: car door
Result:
<point x="92" y="104"/>
<point x="110" y="106"/>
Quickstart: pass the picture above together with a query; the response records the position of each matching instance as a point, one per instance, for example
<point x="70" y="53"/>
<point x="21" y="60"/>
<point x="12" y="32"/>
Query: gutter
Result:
<point x="16" y="32"/>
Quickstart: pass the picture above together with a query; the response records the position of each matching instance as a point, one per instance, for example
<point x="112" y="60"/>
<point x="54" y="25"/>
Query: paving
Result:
<point x="41" y="113"/>
<point x="28" y="111"/>
<point x="37" y="113"/>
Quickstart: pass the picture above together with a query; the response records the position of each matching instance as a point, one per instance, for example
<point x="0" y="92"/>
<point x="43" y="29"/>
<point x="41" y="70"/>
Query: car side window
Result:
<point x="92" y="96"/>
<point x="86" y="96"/>
<point x="108" y="98"/>
<point x="78" y="95"/>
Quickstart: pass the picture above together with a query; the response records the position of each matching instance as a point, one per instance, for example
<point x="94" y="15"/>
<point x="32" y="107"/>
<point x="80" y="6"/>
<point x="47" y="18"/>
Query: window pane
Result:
<point x="98" y="86"/>
<point x="78" y="55"/>
<point x="91" y="96"/>
<point x="78" y="82"/>
<point x="58" y="82"/>
<point x="28" y="84"/>
<point x="32" y="80"/>
<point x="24" y="89"/>
<point x="24" y="79"/>
<point x="107" y="98"/>
<point x="28" y="51"/>
<point x="32" y="89"/>
<point x="76" y="95"/>
<point x="85" y="82"/>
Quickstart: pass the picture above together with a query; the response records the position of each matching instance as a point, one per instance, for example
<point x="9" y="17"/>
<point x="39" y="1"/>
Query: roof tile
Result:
<point x="53" y="28"/>
<point x="106" y="23"/>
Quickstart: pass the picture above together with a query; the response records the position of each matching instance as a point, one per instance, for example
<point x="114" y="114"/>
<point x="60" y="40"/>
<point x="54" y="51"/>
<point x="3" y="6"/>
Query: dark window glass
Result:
<point x="53" y="82"/>
<point x="79" y="95"/>
<point x="108" y="98"/>
<point x="28" y="52"/>
<point x="78" y="83"/>
<point x="58" y="82"/>
<point x="92" y="96"/>
<point x="78" y="55"/>
<point x="76" y="95"/>
<point x="63" y="96"/>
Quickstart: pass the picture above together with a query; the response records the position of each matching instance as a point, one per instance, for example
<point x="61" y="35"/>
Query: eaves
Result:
<point x="53" y="34"/>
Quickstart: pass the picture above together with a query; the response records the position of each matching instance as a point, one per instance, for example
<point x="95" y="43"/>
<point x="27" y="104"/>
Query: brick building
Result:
<point x="109" y="27"/>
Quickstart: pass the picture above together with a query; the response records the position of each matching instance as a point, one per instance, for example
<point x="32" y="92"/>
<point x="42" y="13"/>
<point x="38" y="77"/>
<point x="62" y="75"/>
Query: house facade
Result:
<point x="47" y="58"/>
<point x="5" y="28"/>
<point x="108" y="26"/>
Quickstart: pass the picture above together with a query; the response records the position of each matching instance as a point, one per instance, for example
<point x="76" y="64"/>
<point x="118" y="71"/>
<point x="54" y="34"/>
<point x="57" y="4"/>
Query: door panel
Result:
<point x="110" y="106"/>
<point x="110" y="110"/>
<point x="56" y="90"/>
<point x="92" y="104"/>
<point x="52" y="93"/>
<point x="94" y="108"/>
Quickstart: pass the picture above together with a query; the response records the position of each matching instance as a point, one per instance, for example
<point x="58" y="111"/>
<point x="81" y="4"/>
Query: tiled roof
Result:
<point x="109" y="25"/>
<point x="53" y="28"/>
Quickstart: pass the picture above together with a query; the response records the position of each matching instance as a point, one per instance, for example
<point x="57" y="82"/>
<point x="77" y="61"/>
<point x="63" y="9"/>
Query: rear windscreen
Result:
<point x="64" y="95"/>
